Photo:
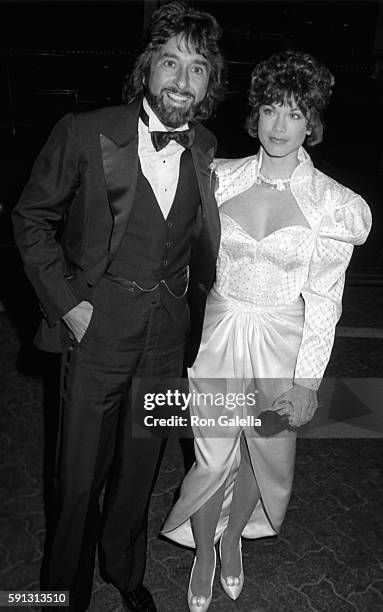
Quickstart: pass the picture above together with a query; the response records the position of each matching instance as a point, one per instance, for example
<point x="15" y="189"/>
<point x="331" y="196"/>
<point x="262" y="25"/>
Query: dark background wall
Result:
<point x="57" y="57"/>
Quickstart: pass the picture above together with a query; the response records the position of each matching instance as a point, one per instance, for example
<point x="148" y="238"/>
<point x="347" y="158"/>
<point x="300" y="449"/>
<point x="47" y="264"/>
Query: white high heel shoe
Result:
<point x="206" y="600"/>
<point x="233" y="591"/>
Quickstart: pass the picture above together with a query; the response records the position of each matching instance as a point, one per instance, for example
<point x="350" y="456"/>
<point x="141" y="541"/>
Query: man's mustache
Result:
<point x="183" y="92"/>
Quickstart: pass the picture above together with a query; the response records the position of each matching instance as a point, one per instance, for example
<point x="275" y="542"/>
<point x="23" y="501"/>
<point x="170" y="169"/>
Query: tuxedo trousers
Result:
<point x="134" y="337"/>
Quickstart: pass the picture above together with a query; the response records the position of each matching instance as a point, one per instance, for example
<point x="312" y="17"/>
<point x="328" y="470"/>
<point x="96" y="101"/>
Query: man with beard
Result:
<point x="123" y="289"/>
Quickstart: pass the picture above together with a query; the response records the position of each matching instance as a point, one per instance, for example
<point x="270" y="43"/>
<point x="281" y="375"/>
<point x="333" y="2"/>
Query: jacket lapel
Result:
<point x="210" y="217"/>
<point x="120" y="161"/>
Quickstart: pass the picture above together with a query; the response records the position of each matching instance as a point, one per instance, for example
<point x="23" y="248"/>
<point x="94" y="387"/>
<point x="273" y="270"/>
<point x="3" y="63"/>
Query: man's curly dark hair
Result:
<point x="287" y="75"/>
<point x="201" y="32"/>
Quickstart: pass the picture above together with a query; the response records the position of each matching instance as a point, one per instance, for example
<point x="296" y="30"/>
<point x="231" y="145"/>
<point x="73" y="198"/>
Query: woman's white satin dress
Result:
<point x="250" y="337"/>
<point x="270" y="321"/>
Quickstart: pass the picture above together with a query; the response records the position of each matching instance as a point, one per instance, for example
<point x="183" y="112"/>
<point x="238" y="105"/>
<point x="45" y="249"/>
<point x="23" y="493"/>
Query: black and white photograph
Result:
<point x="191" y="305"/>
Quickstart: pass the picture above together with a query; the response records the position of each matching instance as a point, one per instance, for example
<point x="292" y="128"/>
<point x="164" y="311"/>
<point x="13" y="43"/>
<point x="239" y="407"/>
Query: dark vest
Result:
<point x="155" y="248"/>
<point x="155" y="252"/>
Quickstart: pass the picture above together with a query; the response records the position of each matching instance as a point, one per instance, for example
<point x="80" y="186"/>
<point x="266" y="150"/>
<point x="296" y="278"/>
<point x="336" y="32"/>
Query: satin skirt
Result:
<point x="248" y="350"/>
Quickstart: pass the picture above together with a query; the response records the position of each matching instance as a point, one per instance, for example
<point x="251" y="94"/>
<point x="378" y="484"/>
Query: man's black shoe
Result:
<point x="139" y="600"/>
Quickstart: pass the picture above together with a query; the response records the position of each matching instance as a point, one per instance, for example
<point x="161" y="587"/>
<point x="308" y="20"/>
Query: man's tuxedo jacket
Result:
<point x="74" y="211"/>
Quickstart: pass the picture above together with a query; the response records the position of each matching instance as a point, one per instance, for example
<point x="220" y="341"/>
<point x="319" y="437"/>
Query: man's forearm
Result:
<point x="42" y="206"/>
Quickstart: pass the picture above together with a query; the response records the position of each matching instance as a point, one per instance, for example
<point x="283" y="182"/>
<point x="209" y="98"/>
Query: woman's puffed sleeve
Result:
<point x="232" y="176"/>
<point x="342" y="226"/>
<point x="220" y="170"/>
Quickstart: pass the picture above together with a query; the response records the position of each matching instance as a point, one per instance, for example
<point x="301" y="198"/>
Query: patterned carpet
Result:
<point x="329" y="554"/>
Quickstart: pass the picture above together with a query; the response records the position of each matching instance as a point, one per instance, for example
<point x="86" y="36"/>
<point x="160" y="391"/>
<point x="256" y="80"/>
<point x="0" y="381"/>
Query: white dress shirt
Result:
<point x="161" y="168"/>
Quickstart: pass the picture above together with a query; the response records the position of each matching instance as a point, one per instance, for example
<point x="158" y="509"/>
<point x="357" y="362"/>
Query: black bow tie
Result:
<point x="160" y="139"/>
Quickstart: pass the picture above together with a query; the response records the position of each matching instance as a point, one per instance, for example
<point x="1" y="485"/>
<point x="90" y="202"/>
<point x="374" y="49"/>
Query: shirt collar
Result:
<point x="304" y="168"/>
<point x="155" y="125"/>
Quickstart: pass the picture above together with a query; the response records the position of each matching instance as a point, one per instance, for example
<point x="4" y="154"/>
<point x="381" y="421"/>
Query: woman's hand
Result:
<point x="298" y="404"/>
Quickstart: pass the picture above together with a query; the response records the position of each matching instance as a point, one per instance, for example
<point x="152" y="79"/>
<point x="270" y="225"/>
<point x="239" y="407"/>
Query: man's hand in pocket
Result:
<point x="78" y="319"/>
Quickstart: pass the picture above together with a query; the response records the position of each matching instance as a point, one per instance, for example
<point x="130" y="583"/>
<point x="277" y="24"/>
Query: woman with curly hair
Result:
<point x="288" y="232"/>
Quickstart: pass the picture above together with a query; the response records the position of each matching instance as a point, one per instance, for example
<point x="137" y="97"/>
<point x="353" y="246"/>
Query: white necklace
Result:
<point x="274" y="183"/>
